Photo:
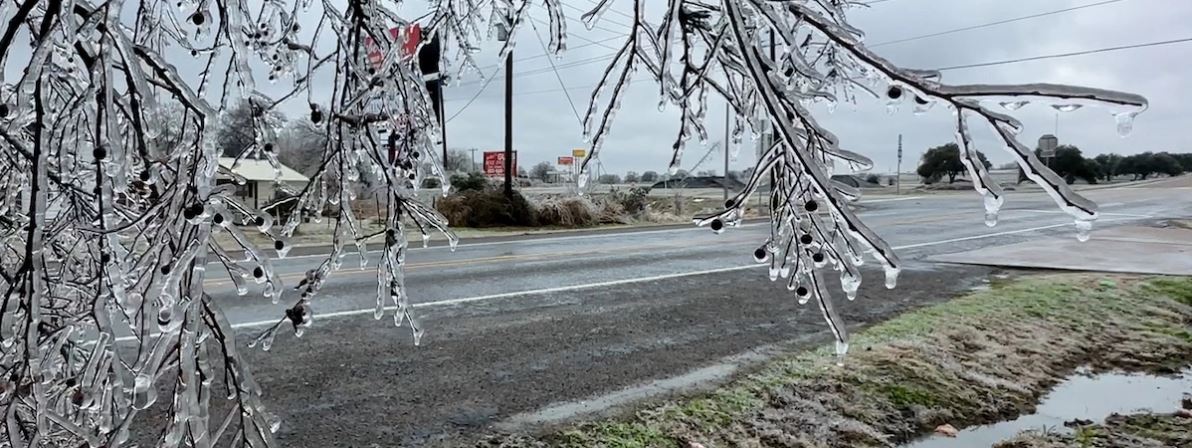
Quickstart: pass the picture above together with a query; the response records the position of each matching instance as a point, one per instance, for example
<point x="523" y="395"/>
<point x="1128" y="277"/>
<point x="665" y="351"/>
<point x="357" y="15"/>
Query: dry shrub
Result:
<point x="455" y="208"/>
<point x="633" y="201"/>
<point x="566" y="212"/>
<point x="487" y="208"/>
<point x="611" y="212"/>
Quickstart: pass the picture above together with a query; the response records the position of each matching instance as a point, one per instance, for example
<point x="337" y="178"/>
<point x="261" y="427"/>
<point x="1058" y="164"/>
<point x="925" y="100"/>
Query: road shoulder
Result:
<point x="974" y="360"/>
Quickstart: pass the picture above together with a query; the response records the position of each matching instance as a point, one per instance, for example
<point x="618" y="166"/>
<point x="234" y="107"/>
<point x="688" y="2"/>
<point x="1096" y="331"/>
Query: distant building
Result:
<point x="259" y="178"/>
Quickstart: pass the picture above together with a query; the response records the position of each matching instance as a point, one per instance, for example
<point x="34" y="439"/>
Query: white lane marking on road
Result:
<point x="863" y="201"/>
<point x="538" y="240"/>
<point x="261" y="323"/>
<point x="1061" y="212"/>
<point x="460" y="300"/>
<point x="988" y="235"/>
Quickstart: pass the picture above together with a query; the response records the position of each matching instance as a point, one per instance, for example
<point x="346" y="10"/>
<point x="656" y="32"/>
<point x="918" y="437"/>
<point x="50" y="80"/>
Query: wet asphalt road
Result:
<point x="518" y="325"/>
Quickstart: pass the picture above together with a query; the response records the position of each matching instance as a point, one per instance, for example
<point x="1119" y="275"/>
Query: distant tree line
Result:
<point x="1069" y="163"/>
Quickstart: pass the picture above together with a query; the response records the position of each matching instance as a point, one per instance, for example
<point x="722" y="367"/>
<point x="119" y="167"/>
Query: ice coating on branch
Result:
<point x="1014" y="105"/>
<point x="152" y="223"/>
<point x="122" y="236"/>
<point x="820" y="59"/>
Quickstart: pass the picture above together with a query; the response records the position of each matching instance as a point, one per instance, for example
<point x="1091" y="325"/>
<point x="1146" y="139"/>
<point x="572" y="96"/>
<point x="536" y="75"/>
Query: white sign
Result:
<point x="1047" y="145"/>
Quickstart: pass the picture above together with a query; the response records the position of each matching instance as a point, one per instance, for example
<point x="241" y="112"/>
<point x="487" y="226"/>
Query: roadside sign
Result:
<point x="409" y="38"/>
<point x="494" y="163"/>
<point x="1047" y="145"/>
<point x="566" y="160"/>
<point x="579" y="153"/>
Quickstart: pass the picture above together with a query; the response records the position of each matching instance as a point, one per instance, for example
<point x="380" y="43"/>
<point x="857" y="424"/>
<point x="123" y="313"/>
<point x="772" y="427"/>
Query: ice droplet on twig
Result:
<point x="1066" y="107"/>
<point x="841" y="350"/>
<point x="274" y="422"/>
<point x="1083" y="226"/>
<point x="418" y="333"/>
<point x="1125" y="122"/>
<point x="850" y="284"/>
<point x="144" y="395"/>
<point x="922" y="105"/>
<point x="1013" y="105"/>
<point x="992" y="205"/>
<point x="891" y="276"/>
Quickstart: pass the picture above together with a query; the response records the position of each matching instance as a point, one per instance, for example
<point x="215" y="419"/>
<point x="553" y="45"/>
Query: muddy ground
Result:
<point x="978" y="359"/>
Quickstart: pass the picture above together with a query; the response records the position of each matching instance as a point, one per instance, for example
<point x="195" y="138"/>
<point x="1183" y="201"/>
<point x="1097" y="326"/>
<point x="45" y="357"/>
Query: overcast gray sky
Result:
<point x="545" y="126"/>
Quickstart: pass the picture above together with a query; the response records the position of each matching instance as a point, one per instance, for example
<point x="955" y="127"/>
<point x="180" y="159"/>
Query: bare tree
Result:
<point x="459" y="160"/>
<point x="301" y="145"/>
<point x="246" y="126"/>
<point x="541" y="171"/>
<point x="108" y="213"/>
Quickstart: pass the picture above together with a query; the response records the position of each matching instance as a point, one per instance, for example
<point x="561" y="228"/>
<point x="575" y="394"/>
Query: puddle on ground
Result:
<point x="1080" y="396"/>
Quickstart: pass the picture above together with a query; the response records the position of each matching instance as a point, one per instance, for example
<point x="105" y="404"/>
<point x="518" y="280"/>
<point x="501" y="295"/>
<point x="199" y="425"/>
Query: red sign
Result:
<point x="494" y="163"/>
<point x="409" y="43"/>
<point x="566" y="160"/>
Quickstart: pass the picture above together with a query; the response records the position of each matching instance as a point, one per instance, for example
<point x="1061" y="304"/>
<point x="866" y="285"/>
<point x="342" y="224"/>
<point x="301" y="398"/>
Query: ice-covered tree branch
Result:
<point x="117" y="208"/>
<point x="816" y="57"/>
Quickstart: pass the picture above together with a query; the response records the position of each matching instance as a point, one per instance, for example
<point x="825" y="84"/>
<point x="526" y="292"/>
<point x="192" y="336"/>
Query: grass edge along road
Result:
<point x="981" y="358"/>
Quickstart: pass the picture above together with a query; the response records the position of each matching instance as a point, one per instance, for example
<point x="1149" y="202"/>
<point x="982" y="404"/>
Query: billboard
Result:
<point x="408" y="38"/>
<point x="494" y="163"/>
<point x="566" y="160"/>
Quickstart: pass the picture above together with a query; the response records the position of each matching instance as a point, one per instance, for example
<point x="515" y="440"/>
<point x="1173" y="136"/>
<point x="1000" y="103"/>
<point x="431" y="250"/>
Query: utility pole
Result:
<point x="505" y="35"/>
<point x="726" y="143"/>
<point x="509" y="124"/>
<point x="473" y="160"/>
<point x="898" y="170"/>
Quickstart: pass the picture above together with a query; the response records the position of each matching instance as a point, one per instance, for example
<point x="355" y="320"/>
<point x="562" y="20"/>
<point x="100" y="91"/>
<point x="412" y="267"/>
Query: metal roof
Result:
<point x="260" y="170"/>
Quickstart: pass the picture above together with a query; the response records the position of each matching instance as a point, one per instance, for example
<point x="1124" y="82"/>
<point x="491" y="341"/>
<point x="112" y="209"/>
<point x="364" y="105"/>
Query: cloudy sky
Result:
<point x="545" y="126"/>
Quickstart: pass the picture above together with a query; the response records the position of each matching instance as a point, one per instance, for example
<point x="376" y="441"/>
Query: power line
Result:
<point x="999" y="22"/>
<point x="622" y="34"/>
<point x="541" y="69"/>
<point x="596" y="25"/>
<point x="1065" y="55"/>
<point x="954" y="67"/>
<point x="560" y="78"/>
<point x="578" y="63"/>
<point x="611" y="9"/>
<point x="590" y="43"/>
<point x="461" y="110"/>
